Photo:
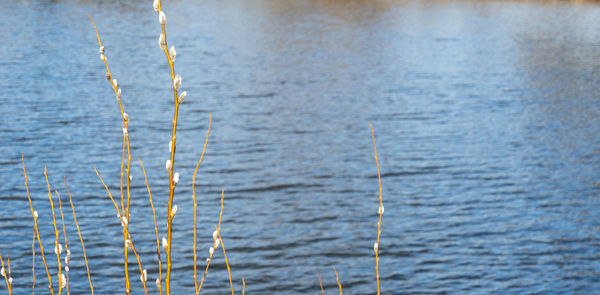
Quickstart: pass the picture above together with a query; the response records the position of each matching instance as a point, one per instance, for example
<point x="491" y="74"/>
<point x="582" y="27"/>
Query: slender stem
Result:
<point x="6" y="276"/>
<point x="226" y="262"/>
<point x="126" y="229"/>
<point x="37" y="231"/>
<point x="243" y="286"/>
<point x="155" y="228"/>
<point x="194" y="198"/>
<point x="214" y="245"/>
<point x="80" y="238"/>
<point x="321" y="284"/>
<point x="380" y="209"/>
<point x="172" y="158"/>
<point x="56" y="248"/>
<point x="66" y="246"/>
<point x="125" y="143"/>
<point x="33" y="263"/>
<point x="337" y="278"/>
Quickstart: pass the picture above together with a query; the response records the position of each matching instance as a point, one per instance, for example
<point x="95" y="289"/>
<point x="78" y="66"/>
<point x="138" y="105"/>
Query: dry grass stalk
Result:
<point x="124" y="212"/>
<point x="35" y="226"/>
<point x="243" y="286"/>
<point x="195" y="204"/>
<point x="321" y="284"/>
<point x="381" y="210"/>
<point x="80" y="238"/>
<point x="176" y="83"/>
<point x="67" y="252"/>
<point x="214" y="244"/>
<point x="338" y="280"/>
<point x="57" y="247"/>
<point x="155" y="229"/>
<point x="7" y="276"/>
<point x="226" y="262"/>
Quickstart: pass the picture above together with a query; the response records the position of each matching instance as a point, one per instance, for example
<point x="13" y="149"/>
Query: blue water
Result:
<point x="487" y="118"/>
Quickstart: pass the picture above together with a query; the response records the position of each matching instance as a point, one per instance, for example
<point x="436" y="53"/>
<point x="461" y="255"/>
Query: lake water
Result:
<point x="486" y="114"/>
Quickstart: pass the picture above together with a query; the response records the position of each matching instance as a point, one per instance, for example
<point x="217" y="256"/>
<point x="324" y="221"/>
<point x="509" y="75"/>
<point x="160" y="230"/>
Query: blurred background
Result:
<point x="486" y="116"/>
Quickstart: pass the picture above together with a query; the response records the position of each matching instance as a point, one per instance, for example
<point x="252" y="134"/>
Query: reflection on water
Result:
<point x="487" y="122"/>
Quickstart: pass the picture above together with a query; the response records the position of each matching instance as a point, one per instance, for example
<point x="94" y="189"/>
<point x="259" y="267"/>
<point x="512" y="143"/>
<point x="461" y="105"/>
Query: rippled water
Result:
<point x="486" y="117"/>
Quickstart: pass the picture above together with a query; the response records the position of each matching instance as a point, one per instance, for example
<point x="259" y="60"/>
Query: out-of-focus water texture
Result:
<point x="487" y="118"/>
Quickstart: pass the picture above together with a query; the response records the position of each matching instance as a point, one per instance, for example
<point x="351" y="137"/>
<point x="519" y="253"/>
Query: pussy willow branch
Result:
<point x="214" y="244"/>
<point x="155" y="228"/>
<point x="87" y="267"/>
<point x="62" y="217"/>
<point x="37" y="232"/>
<point x="194" y="199"/>
<point x="56" y="248"/>
<point x="172" y="158"/>
<point x="123" y="211"/>
<point x="380" y="210"/>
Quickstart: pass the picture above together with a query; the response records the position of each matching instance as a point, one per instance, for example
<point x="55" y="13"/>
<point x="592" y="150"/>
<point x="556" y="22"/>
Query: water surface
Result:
<point x="487" y="117"/>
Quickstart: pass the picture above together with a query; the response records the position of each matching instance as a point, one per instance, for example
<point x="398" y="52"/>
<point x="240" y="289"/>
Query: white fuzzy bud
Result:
<point x="162" y="18"/>
<point x="68" y="252"/>
<point x="35" y="214"/>
<point x="123" y="221"/>
<point x="125" y="132"/>
<point x="67" y="259"/>
<point x="102" y="49"/>
<point x="172" y="53"/>
<point x="158" y="282"/>
<point x="217" y="243"/>
<point x="181" y="97"/>
<point x="170" y="146"/>
<point x="144" y="276"/>
<point x="10" y="281"/>
<point x="174" y="211"/>
<point x="168" y="165"/>
<point x="155" y="5"/>
<point x="119" y="94"/>
<point x="211" y="250"/>
<point x="165" y="244"/>
<point x="102" y="57"/>
<point x="375" y="247"/>
<point x="63" y="281"/>
<point x="125" y="117"/>
<point x="381" y="210"/>
<point x="58" y="249"/>
<point x="177" y="82"/>
<point x="128" y="244"/>
<point x="162" y="41"/>
<point x="130" y="178"/>
<point x="66" y="268"/>
<point x="176" y="178"/>
<point x="215" y="235"/>
<point x="115" y="83"/>
<point x="3" y="272"/>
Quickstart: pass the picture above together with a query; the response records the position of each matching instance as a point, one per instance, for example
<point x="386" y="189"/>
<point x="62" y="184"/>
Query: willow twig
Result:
<point x="155" y="229"/>
<point x="6" y="275"/>
<point x="338" y="280"/>
<point x="34" y="214"/>
<point x="176" y="82"/>
<point x="129" y="241"/>
<point x="125" y="118"/>
<point x="67" y="257"/>
<point x="194" y="198"/>
<point x="376" y="246"/>
<point x="56" y="244"/>
<point x="226" y="262"/>
<point x="33" y="263"/>
<point x="80" y="238"/>
<point x="214" y="244"/>
<point x="321" y="284"/>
